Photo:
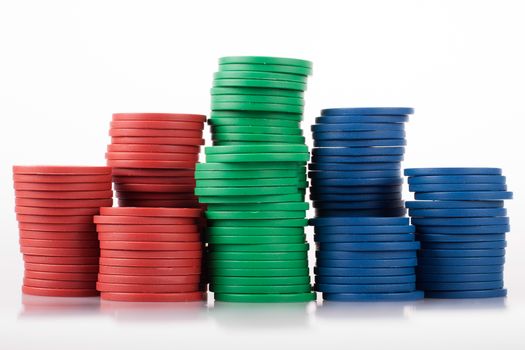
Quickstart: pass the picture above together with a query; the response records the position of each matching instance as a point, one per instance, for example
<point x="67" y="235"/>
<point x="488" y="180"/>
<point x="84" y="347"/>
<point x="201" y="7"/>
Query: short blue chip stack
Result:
<point x="461" y="223"/>
<point x="356" y="162"/>
<point x="366" y="259"/>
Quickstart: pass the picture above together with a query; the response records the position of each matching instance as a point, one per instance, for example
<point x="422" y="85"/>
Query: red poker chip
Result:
<point x="43" y="243"/>
<point x="50" y="219"/>
<point x="61" y="268"/>
<point x="52" y="292"/>
<point x="151" y="262"/>
<point x="154" y="297"/>
<point x="154" y="172"/>
<point x="157" y="195"/>
<point x="128" y="187"/>
<point x="192" y="133"/>
<point x="165" y="180"/>
<point x="152" y="164"/>
<point x="33" y="282"/>
<point x="127" y="245"/>
<point x="150" y="271"/>
<point x="156" y="125"/>
<point x="154" y="212"/>
<point x="156" y="117"/>
<point x="62" y="252"/>
<point x="175" y="141"/>
<point x="153" y="255"/>
<point x="61" y="170"/>
<point x="154" y="149"/>
<point x="57" y="227"/>
<point x="64" y="194"/>
<point x="61" y="179"/>
<point x="64" y="203"/>
<point x="150" y="237"/>
<point x="150" y="228"/>
<point x="56" y="212"/>
<point x="146" y="288"/>
<point x="153" y="156"/>
<point x="158" y="203"/>
<point x="61" y="260"/>
<point x="187" y="279"/>
<point x="60" y="276"/>
<point x="59" y="236"/>
<point x="142" y="220"/>
<point x="59" y="187"/>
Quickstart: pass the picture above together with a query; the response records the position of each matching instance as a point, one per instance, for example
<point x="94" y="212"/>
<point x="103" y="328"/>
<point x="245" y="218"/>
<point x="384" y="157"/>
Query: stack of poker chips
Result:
<point x="54" y="208"/>
<point x="356" y="162"/>
<point x="153" y="156"/>
<point x="253" y="182"/>
<point x="461" y="223"/>
<point x="366" y="259"/>
<point x="149" y="254"/>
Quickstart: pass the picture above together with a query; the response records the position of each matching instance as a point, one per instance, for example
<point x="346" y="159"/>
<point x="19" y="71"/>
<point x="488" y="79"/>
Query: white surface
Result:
<point x="65" y="66"/>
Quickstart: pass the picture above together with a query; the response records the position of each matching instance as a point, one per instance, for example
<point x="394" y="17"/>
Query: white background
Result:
<point x="65" y="66"/>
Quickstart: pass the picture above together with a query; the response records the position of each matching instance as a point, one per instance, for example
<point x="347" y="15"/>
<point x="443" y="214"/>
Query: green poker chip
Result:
<point x="284" y="148"/>
<point x="244" y="191"/>
<point x="287" y="181"/>
<point x="265" y="60"/>
<point x="228" y="74"/>
<point x="259" y="207"/>
<point x="253" y="106"/>
<point x="256" y="115"/>
<point x="258" y="256"/>
<point x="260" y="281"/>
<point x="256" y="130"/>
<point x="276" y="68"/>
<point x="259" y="99"/>
<point x="248" y="166"/>
<point x="217" y="91"/>
<point x="291" y="288"/>
<point x="266" y="298"/>
<point x="261" y="83"/>
<point x="260" y="222"/>
<point x="258" y="157"/>
<point x="252" y="175"/>
<point x="255" y="215"/>
<point x="254" y="231"/>
<point x="274" y="123"/>
<point x="249" y="272"/>
<point x="294" y="197"/>
<point x="259" y="138"/>
<point x="258" y="264"/>
<point x="296" y="247"/>
<point x="219" y="239"/>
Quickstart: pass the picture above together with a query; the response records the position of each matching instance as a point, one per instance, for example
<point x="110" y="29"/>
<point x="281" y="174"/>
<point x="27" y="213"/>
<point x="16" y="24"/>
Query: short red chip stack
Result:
<point x="153" y="156"/>
<point x="54" y="208"/>
<point x="150" y="254"/>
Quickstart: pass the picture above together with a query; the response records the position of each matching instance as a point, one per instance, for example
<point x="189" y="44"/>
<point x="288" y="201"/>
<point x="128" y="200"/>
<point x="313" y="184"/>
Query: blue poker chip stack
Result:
<point x="461" y="223"/>
<point x="365" y="259"/>
<point x="356" y="162"/>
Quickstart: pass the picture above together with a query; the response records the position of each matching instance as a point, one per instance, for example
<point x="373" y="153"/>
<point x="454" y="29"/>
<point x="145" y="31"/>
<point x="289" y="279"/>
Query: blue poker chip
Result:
<point x="359" y="205"/>
<point x="455" y="238"/>
<point x="453" y="204"/>
<point x="331" y="255"/>
<point x="380" y="181"/>
<point x="361" y="118"/>
<point x="364" y="229"/>
<point x="387" y="111"/>
<point x="357" y="127"/>
<point x="370" y="272"/>
<point x="359" y="151"/>
<point x="360" y="143"/>
<point x="389" y="212"/>
<point x="365" y="280"/>
<point x="465" y="196"/>
<point x="359" y="135"/>
<point x="473" y="294"/>
<point x="320" y="167"/>
<point x="355" y="197"/>
<point x="458" y="179"/>
<point x="354" y="174"/>
<point x="467" y="246"/>
<point x="457" y="213"/>
<point x="463" y="277"/>
<point x="454" y="262"/>
<point x="461" y="269"/>
<point x="363" y="247"/>
<point x="367" y="263"/>
<point x="460" y="253"/>
<point x="402" y="237"/>
<point x="451" y="171"/>
<point x="355" y="190"/>
<point x="356" y="159"/>
<point x="463" y="230"/>
<point x="364" y="221"/>
<point x="456" y="187"/>
<point x="373" y="297"/>
<point x="365" y="288"/>
<point x="457" y="286"/>
<point x="500" y="220"/>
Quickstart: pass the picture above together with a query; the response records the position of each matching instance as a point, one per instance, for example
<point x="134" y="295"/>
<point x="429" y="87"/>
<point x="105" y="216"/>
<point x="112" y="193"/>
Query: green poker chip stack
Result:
<point x="254" y="179"/>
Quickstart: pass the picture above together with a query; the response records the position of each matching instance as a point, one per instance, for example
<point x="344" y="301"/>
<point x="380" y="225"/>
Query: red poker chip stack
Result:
<point x="150" y="254"/>
<point x="54" y="208"/>
<point x="153" y="156"/>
